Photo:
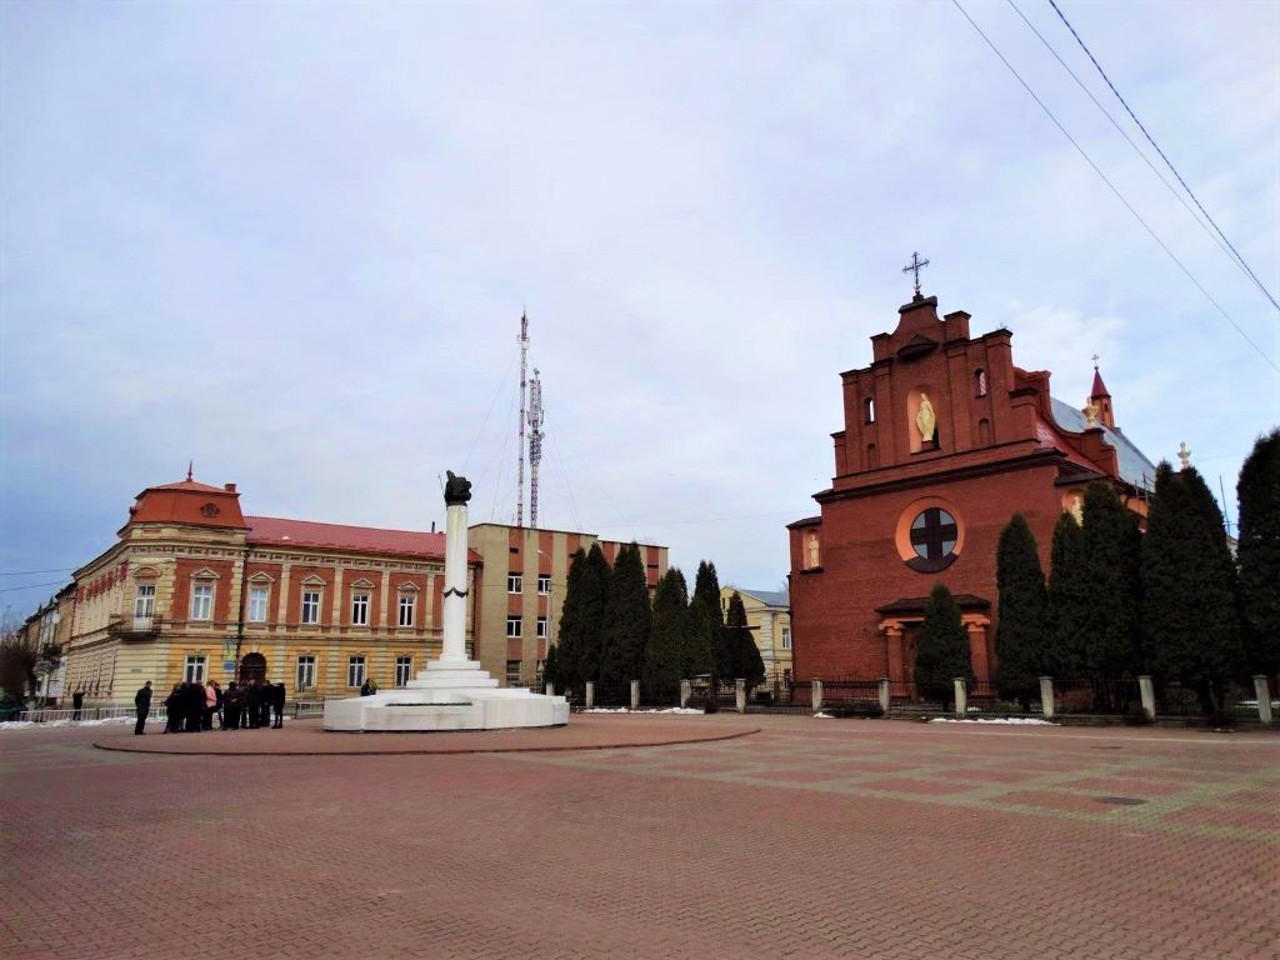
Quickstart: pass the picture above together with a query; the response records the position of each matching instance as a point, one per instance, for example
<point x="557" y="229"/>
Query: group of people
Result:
<point x="193" y="706"/>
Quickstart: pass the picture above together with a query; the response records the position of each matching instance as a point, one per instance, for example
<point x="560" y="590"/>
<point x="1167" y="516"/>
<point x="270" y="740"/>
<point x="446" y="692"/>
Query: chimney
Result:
<point x="230" y="487"/>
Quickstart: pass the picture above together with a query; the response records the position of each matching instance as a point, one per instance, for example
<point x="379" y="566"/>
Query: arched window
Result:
<point x="873" y="458"/>
<point x="984" y="432"/>
<point x="869" y="409"/>
<point x="980" y="382"/>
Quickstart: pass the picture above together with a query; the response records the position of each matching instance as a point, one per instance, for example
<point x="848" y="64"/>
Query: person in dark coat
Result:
<point x="142" y="701"/>
<point x="194" y="699"/>
<point x="253" y="703"/>
<point x="232" y="705"/>
<point x="264" y="708"/>
<point x="77" y="702"/>
<point x="173" y="710"/>
<point x="278" y="694"/>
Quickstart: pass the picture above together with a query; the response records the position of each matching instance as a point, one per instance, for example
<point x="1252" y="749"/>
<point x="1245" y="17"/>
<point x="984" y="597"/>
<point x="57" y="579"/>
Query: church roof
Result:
<point x="770" y="598"/>
<point x="1134" y="466"/>
<point x="336" y="536"/>
<point x="192" y="485"/>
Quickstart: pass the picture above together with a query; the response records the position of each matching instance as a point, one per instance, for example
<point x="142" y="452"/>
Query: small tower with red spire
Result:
<point x="1100" y="398"/>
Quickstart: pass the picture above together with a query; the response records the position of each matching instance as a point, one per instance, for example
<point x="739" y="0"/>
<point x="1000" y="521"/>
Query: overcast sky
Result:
<point x="292" y="242"/>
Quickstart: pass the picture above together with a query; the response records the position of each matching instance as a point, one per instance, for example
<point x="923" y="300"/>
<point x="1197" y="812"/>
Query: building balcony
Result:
<point x="128" y="628"/>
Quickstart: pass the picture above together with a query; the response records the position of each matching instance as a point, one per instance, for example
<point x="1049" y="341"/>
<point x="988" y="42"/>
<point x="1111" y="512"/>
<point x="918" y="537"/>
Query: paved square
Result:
<point x="812" y="838"/>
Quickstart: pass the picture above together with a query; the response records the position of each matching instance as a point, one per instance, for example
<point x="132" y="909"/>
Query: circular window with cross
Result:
<point x="929" y="536"/>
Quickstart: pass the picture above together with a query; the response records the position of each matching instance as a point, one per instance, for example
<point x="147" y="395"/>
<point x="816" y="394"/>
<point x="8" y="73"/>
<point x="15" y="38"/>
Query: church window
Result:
<point x="933" y="534"/>
<point x="869" y="407"/>
<point x="980" y="382"/>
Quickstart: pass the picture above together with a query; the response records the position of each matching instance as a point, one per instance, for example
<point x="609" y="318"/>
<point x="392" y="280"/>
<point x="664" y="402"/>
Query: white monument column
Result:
<point x="454" y="647"/>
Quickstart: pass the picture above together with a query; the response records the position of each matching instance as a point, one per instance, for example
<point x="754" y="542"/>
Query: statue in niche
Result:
<point x="813" y="551"/>
<point x="1090" y="412"/>
<point x="1075" y="507"/>
<point x="926" y="420"/>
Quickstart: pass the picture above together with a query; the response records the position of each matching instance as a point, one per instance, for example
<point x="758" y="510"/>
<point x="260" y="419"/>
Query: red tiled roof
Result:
<point x="190" y="485"/>
<point x="305" y="533"/>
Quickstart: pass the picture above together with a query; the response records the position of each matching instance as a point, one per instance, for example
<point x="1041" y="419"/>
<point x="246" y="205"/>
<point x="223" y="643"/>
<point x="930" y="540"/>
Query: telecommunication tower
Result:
<point x="535" y="444"/>
<point x="523" y="340"/>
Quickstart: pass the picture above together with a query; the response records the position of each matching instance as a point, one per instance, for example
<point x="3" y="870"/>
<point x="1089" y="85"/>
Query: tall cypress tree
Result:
<point x="742" y="653"/>
<point x="595" y="589"/>
<point x="1112" y="562"/>
<point x="668" y="637"/>
<point x="1023" y="601"/>
<point x="1063" y="655"/>
<point x="942" y="650"/>
<point x="1190" y="609"/>
<point x="628" y="619"/>
<point x="706" y="648"/>
<point x="551" y="670"/>
<point x="573" y="625"/>
<point x="1259" y="555"/>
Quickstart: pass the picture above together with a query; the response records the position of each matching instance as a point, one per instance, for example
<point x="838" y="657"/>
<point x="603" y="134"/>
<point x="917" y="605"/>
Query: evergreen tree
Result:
<point x="707" y="626"/>
<point x="1112" y="583"/>
<point x="668" y="638"/>
<point x="572" y="625"/>
<point x="1259" y="555"/>
<point x="744" y="657"/>
<point x="1063" y="656"/>
<point x="942" y="650"/>
<point x="628" y="619"/>
<point x="596" y="583"/>
<point x="1190" y="608"/>
<point x="551" y="670"/>
<point x="1023" y="602"/>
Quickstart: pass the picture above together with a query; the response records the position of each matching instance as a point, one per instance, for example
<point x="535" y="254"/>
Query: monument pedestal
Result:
<point x="453" y="693"/>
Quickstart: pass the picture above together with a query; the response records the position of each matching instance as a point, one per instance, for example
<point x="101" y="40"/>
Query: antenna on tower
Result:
<point x="523" y="340"/>
<point x="535" y="444"/>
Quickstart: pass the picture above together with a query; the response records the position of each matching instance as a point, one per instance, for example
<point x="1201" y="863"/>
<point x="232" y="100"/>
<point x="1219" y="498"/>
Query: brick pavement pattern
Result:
<point x="813" y="838"/>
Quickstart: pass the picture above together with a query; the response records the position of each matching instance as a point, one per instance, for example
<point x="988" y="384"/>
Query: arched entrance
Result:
<point x="253" y="667"/>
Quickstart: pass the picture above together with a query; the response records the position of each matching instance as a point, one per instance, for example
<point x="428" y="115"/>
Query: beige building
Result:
<point x="769" y="616"/>
<point x="523" y="580"/>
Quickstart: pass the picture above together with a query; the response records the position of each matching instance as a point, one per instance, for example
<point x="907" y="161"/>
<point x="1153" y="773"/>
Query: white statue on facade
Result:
<point x="926" y="420"/>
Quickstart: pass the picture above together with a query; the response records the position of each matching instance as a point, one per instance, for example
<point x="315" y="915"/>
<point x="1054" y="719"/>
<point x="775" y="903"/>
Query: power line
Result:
<point x="1136" y="149"/>
<point x="32" y="586"/>
<point x="1119" y="196"/>
<point x="1167" y="161"/>
<point x="30" y="573"/>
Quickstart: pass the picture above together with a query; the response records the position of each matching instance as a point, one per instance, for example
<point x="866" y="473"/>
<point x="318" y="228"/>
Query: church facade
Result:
<point x="944" y="439"/>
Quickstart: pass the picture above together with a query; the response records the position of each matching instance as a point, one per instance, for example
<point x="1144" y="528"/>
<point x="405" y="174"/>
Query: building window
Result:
<point x="360" y="609"/>
<point x="404" y="670"/>
<point x="980" y="383"/>
<point x="544" y="584"/>
<point x="933" y="536"/>
<point x="515" y="627"/>
<point x="194" y="672"/>
<point x="869" y="410"/>
<point x="202" y="602"/>
<point x="542" y="628"/>
<point x="144" y="601"/>
<point x="258" y="604"/>
<point x="515" y="583"/>
<point x="513" y="673"/>
<point x="311" y="607"/>
<point x="406" y="610"/>
<point x="306" y="675"/>
<point x="355" y="671"/>
<point x="786" y="638"/>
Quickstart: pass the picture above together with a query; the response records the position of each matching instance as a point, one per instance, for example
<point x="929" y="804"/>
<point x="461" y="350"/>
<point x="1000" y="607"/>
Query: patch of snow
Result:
<point x="824" y="716"/>
<point x="1011" y="721"/>
<point x="686" y="711"/>
<point x="49" y="724"/>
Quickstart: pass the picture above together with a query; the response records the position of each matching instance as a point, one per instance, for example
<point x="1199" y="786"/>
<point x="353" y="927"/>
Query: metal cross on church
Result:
<point x="934" y="530"/>
<point x="914" y="267"/>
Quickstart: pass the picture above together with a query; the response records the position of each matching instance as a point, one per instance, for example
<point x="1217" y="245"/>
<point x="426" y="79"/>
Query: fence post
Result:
<point x="740" y="695"/>
<point x="1263" y="693"/>
<point x="817" y="695"/>
<point x="551" y="689"/>
<point x="635" y="694"/>
<point x="962" y="698"/>
<point x="685" y="693"/>
<point x="1046" y="697"/>
<point x="1148" y="698"/>
<point x="590" y="696"/>
<point x="884" y="695"/>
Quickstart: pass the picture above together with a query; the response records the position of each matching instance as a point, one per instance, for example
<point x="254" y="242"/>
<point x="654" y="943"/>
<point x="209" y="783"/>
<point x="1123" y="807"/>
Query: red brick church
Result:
<point x="944" y="440"/>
